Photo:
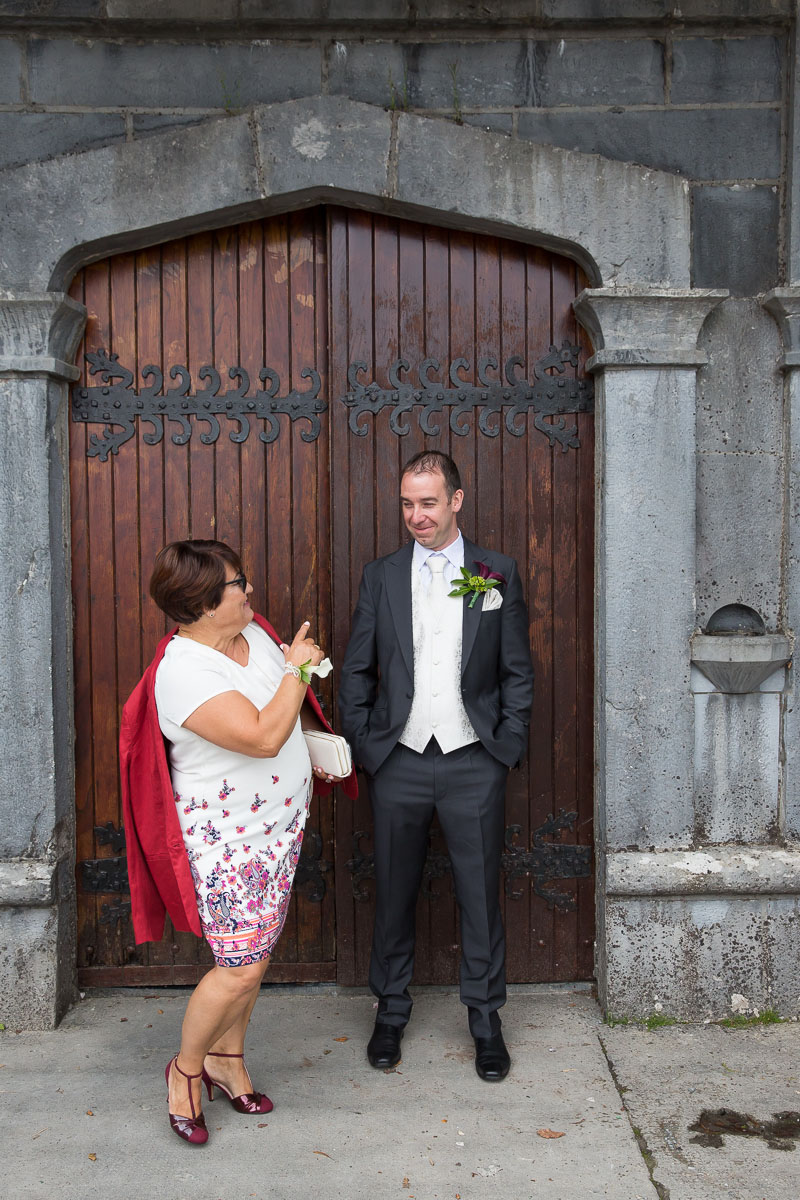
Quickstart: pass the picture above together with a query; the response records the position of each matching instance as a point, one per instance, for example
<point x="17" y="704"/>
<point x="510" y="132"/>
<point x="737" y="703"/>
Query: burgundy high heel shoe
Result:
<point x="250" y="1102"/>
<point x="192" y="1129"/>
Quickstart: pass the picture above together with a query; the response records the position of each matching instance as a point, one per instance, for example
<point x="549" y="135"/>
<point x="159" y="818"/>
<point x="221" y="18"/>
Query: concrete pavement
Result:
<point x="84" y="1111"/>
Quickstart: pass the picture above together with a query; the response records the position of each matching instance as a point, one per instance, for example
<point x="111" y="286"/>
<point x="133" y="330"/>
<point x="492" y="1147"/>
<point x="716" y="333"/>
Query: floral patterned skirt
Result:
<point x="243" y="860"/>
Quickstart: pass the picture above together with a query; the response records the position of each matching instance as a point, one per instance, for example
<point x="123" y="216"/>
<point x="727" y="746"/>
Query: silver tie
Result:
<point x="437" y="594"/>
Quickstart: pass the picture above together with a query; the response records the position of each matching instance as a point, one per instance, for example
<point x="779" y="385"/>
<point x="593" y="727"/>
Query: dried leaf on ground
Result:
<point x="406" y="1184"/>
<point x="323" y="1153"/>
<point x="93" y="1157"/>
<point x="344" y="1039"/>
<point x="549" y="1133"/>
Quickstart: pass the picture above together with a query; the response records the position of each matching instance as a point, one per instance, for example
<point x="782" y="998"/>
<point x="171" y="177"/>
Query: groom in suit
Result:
<point x="435" y="700"/>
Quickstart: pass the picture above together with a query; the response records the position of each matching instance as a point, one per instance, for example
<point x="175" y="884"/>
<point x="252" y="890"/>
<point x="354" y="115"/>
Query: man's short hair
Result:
<point x="428" y="461"/>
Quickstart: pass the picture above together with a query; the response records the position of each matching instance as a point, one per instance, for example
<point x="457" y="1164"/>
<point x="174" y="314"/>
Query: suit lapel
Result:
<point x="398" y="591"/>
<point x="472" y="616"/>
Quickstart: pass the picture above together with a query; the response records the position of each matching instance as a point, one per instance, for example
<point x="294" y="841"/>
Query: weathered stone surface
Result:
<point x="595" y="205"/>
<point x="739" y="503"/>
<point x="740" y="389"/>
<point x="58" y="9"/>
<point x="784" y="305"/>
<point x="200" y="169"/>
<point x="646" y="560"/>
<point x="456" y="75"/>
<point x="703" y="144"/>
<point x="354" y="9"/>
<point x="690" y="956"/>
<point x="27" y="762"/>
<point x="793" y="170"/>
<point x="27" y="883"/>
<point x="631" y="327"/>
<point x="157" y="122"/>
<point x="491" y="122"/>
<point x="736" y="768"/>
<point x="738" y="664"/>
<point x="647" y="557"/>
<point x="177" y="10"/>
<point x="710" y="871"/>
<point x="695" y="10"/>
<point x="301" y="10"/>
<point x="578" y="71"/>
<point x="598" y="10"/>
<point x="28" y="958"/>
<point x="26" y="137"/>
<point x="641" y="10"/>
<point x="211" y="174"/>
<point x="225" y="76"/>
<point x="735" y="243"/>
<point x="713" y="70"/>
<point x="310" y="144"/>
<point x="440" y="75"/>
<point x="10" y="58"/>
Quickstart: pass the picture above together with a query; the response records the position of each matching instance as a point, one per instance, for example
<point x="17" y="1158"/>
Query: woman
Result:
<point x="227" y="697"/>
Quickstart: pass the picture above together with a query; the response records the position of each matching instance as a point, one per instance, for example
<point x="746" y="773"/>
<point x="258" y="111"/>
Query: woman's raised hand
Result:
<point x="303" y="648"/>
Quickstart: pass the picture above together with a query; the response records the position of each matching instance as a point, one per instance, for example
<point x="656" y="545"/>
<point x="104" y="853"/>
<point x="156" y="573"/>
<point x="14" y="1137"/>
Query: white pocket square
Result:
<point x="492" y="599"/>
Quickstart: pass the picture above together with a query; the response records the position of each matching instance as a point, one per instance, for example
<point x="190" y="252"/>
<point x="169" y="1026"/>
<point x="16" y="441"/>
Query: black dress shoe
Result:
<point x="492" y="1061"/>
<point x="383" y="1048"/>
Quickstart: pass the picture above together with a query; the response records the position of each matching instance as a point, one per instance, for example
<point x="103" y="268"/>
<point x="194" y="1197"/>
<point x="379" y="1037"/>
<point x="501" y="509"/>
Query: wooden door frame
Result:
<point x="626" y="227"/>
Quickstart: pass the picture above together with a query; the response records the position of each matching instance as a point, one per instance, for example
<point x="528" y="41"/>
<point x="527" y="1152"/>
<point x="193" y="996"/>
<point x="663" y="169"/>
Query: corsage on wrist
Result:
<point x="305" y="671"/>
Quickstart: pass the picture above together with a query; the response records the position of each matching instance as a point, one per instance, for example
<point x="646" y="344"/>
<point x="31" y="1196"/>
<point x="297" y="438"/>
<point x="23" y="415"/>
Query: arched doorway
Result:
<point x="299" y="468"/>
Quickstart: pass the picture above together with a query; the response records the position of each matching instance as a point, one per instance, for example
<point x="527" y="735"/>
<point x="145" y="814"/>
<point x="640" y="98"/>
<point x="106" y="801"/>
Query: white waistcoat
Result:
<point x="437" y="709"/>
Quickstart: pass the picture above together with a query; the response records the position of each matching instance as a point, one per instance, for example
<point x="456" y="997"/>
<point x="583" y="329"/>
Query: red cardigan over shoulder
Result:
<point x="158" y="867"/>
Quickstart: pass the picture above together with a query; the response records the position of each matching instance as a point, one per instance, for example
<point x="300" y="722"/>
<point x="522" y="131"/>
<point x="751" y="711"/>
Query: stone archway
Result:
<point x="630" y="230"/>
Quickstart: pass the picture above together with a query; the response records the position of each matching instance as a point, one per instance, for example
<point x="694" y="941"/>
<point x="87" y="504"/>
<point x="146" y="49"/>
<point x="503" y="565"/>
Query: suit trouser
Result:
<point x="466" y="788"/>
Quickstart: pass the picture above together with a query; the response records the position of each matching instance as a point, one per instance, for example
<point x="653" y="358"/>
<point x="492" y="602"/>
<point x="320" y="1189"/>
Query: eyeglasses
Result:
<point x="240" y="581"/>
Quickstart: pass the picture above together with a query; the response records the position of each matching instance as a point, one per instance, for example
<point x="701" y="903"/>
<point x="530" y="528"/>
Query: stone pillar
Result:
<point x="645" y="362"/>
<point x="784" y="304"/>
<point x="38" y="340"/>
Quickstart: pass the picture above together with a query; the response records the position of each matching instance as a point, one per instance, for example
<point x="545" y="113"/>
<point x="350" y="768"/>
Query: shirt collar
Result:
<point x="454" y="553"/>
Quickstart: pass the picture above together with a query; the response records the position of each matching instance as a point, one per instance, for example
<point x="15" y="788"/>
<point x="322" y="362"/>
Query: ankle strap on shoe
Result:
<point x="183" y="1073"/>
<point x="219" y="1054"/>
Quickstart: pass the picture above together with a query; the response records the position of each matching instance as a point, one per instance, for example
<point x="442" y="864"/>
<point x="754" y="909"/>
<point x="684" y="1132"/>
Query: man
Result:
<point x="435" y="699"/>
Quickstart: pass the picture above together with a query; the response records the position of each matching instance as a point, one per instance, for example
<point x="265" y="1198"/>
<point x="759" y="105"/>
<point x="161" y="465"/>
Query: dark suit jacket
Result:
<point x="377" y="684"/>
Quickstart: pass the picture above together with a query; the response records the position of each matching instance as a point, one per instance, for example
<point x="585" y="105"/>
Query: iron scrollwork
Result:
<point x="111" y="914"/>
<point x="109" y="835"/>
<point x="543" y="863"/>
<point x="546" y="861"/>
<point x="547" y="396"/>
<point x="105" y="875"/>
<point x="312" y="866"/>
<point x="118" y="403"/>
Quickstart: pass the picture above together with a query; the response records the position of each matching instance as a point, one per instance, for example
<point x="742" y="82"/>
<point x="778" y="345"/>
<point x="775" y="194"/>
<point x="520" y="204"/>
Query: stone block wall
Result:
<point x="702" y="94"/>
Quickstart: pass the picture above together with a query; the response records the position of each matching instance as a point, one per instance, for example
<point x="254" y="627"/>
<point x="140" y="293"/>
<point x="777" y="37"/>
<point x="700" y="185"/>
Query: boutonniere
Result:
<point x="482" y="584"/>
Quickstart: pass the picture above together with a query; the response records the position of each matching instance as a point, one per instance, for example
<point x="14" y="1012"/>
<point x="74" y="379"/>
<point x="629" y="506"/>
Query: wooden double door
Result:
<point x="264" y="384"/>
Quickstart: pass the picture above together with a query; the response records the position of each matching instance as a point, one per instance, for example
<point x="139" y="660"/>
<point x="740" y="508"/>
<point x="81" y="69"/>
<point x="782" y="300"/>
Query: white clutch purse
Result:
<point x="329" y="751"/>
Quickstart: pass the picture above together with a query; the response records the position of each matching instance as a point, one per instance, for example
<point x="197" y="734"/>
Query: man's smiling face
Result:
<point x="429" y="514"/>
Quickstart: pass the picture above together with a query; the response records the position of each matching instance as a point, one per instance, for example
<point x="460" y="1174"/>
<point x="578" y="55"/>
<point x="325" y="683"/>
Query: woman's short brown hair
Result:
<point x="188" y="578"/>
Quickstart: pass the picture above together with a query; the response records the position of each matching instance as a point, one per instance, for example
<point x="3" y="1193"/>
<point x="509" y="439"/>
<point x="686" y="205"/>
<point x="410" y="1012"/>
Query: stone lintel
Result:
<point x="784" y="305"/>
<point x="624" y="222"/>
<point x="711" y="871"/>
<point x="39" y="334"/>
<point x="640" y="327"/>
<point x="27" y="883"/>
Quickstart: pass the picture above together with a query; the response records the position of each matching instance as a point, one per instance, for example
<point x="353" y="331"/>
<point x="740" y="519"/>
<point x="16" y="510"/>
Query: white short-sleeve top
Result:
<point x="191" y="673"/>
